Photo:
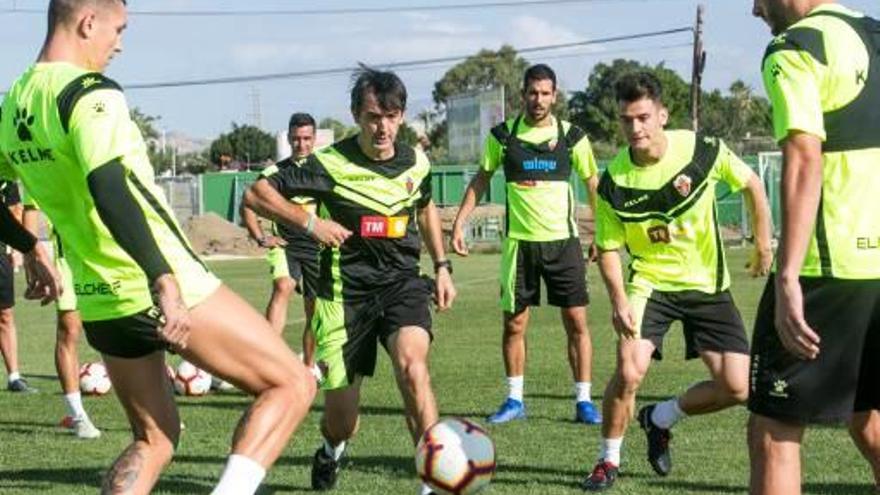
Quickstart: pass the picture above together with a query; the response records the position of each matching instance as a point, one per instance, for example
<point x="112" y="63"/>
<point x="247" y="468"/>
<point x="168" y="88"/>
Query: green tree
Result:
<point x="596" y="110"/>
<point x="221" y="151"/>
<point x="340" y="130"/>
<point x="152" y="137"/>
<point x="737" y="115"/>
<point x="245" y="143"/>
<point x="485" y="70"/>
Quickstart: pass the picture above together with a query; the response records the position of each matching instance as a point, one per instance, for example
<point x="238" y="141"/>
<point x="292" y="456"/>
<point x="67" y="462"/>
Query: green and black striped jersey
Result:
<point x="60" y="128"/>
<point x="297" y="240"/>
<point x="823" y="78"/>
<point x="377" y="200"/>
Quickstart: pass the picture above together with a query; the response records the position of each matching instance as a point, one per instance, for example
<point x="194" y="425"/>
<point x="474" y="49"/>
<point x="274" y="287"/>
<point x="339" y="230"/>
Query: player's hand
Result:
<point x="330" y="233"/>
<point x="593" y="252"/>
<point x="175" y="324"/>
<point x="43" y="280"/>
<point x="459" y="245"/>
<point x="623" y="321"/>
<point x="760" y="261"/>
<point x="794" y="333"/>
<point x="445" y="292"/>
<point x="271" y="241"/>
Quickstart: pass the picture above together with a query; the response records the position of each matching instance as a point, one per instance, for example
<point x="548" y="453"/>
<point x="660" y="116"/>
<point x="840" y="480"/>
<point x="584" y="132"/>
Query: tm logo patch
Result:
<point x="378" y="227"/>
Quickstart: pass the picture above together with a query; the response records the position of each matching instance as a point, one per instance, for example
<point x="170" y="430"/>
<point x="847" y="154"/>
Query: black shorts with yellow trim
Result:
<point x="299" y="264"/>
<point x="129" y="337"/>
<point x="711" y="322"/>
<point x="843" y="377"/>
<point x="347" y="334"/>
<point x="559" y="263"/>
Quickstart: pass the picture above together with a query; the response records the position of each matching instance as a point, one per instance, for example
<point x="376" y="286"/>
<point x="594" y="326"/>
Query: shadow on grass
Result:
<point x="14" y="478"/>
<point x="839" y="489"/>
<point x="516" y="474"/>
<point x="597" y="398"/>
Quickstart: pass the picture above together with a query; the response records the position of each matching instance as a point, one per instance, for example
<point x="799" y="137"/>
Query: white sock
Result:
<point x="611" y="450"/>
<point x="582" y="391"/>
<point x="14" y="375"/>
<point x="74" y="405"/>
<point x="242" y="476"/>
<point x="426" y="490"/>
<point x="667" y="413"/>
<point x="515" y="387"/>
<point x="334" y="452"/>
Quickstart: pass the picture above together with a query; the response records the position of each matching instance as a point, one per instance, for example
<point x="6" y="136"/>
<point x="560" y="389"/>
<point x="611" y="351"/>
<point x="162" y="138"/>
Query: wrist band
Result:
<point x="310" y="225"/>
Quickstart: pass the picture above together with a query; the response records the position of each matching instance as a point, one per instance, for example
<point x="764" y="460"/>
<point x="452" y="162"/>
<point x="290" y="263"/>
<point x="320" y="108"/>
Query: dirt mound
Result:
<point x="212" y="234"/>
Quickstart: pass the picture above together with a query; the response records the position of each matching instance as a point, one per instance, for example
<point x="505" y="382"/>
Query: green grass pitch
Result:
<point x="547" y="454"/>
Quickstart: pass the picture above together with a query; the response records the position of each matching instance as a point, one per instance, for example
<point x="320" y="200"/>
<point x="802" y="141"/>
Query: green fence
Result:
<point x="221" y="192"/>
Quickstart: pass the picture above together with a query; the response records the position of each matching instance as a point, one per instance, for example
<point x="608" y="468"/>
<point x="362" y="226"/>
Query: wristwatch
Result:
<point x="443" y="263"/>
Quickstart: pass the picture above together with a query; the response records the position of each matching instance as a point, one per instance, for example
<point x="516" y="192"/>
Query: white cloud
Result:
<point x="267" y="54"/>
<point x="537" y="31"/>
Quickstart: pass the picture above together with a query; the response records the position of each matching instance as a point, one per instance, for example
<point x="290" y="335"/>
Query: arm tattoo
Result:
<point x="124" y="472"/>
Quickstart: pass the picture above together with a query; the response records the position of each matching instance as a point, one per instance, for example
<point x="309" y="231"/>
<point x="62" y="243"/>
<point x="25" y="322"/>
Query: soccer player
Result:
<point x="371" y="290"/>
<point x="68" y="329"/>
<point x="66" y="132"/>
<point x="538" y="153"/>
<point x="43" y="281"/>
<point x="657" y="200"/>
<point x="817" y="331"/>
<point x="293" y="254"/>
<point x="10" y="199"/>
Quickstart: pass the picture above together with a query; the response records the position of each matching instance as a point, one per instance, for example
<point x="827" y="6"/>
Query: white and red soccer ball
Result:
<point x="191" y="381"/>
<point x="93" y="379"/>
<point x="456" y="457"/>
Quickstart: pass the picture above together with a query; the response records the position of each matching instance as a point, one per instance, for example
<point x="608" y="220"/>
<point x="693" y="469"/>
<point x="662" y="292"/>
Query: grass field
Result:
<point x="547" y="454"/>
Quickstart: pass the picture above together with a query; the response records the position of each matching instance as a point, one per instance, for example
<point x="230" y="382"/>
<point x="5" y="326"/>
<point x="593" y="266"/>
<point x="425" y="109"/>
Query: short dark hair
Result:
<point x="389" y="90"/>
<point x="301" y="119"/>
<point x="635" y="86"/>
<point x="539" y="72"/>
<point x="63" y="11"/>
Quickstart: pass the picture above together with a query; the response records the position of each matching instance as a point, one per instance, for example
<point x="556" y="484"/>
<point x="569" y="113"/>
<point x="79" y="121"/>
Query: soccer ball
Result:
<point x="191" y="381"/>
<point x="93" y="379"/>
<point x="456" y="457"/>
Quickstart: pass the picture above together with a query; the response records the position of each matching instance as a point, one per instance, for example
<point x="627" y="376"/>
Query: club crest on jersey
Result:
<point x="682" y="184"/>
<point x="410" y="184"/>
<point x="378" y="227"/>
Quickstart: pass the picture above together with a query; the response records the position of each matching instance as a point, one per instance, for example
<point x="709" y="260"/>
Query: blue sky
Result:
<point x="174" y="48"/>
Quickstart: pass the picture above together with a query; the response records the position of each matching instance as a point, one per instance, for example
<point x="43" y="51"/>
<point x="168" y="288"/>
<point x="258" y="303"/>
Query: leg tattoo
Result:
<point x="125" y="471"/>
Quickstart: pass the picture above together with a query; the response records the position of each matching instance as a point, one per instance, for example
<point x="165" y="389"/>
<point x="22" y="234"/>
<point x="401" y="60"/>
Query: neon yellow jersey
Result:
<point x="58" y="124"/>
<point x="665" y="214"/>
<point x="541" y="210"/>
<point x="823" y="78"/>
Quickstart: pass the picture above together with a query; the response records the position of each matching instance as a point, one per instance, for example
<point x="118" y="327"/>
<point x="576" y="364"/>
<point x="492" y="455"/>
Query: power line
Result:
<point x="390" y="65"/>
<point x="346" y="11"/>
<point x="583" y="54"/>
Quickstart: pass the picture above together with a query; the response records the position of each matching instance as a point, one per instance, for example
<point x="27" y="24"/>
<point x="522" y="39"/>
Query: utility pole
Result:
<point x="256" y="110"/>
<point x="699" y="63"/>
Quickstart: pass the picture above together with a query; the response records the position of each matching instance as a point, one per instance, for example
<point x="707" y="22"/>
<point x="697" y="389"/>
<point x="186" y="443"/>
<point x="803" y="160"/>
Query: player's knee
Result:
<point x="738" y="392"/>
<point x="6" y="318"/>
<point x="629" y="378"/>
<point x="414" y="372"/>
<point x="163" y="441"/>
<point x="284" y="286"/>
